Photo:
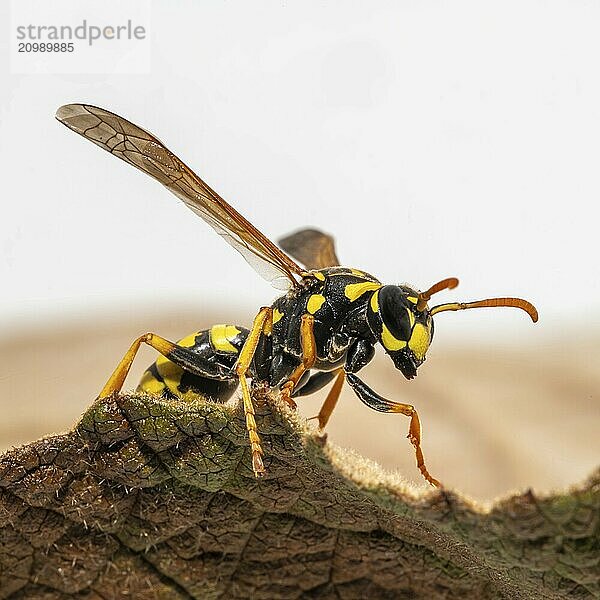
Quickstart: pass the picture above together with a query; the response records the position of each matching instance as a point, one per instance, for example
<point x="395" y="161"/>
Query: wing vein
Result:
<point x="144" y="151"/>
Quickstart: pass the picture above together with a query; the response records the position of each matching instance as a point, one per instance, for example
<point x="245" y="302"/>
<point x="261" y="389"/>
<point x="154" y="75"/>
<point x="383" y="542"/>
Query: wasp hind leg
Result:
<point x="201" y="364"/>
<point x="117" y="379"/>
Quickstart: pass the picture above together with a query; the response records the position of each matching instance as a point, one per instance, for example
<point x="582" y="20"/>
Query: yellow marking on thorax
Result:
<point x="419" y="340"/>
<point x="277" y="316"/>
<point x="375" y="302"/>
<point x="318" y="275"/>
<point x="314" y="303"/>
<point x="359" y="273"/>
<point x="220" y="336"/>
<point x="389" y="341"/>
<point x="353" y="291"/>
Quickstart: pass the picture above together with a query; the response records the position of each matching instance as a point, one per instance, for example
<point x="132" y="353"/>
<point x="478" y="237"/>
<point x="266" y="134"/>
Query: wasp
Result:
<point x="323" y="329"/>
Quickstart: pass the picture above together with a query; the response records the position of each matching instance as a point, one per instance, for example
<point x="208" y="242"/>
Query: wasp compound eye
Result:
<point x="395" y="311"/>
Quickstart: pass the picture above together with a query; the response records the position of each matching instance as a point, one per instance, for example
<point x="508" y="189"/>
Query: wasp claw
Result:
<point x="257" y="465"/>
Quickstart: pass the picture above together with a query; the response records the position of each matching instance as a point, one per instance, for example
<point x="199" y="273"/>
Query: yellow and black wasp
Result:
<point x="324" y="328"/>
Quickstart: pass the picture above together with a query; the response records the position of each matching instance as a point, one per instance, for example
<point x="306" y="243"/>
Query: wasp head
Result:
<point x="403" y="327"/>
<point x="401" y="320"/>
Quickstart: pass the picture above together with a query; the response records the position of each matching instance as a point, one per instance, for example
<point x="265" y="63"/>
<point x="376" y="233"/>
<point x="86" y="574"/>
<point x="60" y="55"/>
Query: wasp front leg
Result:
<point x="373" y="400"/>
<point x="359" y="354"/>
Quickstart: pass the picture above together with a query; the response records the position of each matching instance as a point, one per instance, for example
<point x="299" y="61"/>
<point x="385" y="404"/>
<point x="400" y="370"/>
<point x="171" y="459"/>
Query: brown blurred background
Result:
<point x="495" y="418"/>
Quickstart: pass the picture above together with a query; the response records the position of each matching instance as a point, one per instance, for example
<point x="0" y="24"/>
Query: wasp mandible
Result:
<point x="323" y="329"/>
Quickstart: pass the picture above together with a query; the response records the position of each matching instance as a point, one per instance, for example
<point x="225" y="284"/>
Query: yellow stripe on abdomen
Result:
<point x="149" y="384"/>
<point x="221" y="337"/>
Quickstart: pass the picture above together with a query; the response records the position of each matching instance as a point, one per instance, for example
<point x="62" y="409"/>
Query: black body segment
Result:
<point x="337" y="298"/>
<point x="204" y="368"/>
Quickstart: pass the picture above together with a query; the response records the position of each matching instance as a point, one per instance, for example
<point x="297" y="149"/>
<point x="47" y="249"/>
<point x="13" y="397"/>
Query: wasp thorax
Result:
<point x="403" y="329"/>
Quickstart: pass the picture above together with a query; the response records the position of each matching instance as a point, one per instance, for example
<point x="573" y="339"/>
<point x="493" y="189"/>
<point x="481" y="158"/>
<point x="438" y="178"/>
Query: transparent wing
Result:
<point x="313" y="248"/>
<point x="144" y="151"/>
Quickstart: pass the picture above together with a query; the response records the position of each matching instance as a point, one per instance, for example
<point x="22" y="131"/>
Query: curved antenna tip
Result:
<point x="529" y="308"/>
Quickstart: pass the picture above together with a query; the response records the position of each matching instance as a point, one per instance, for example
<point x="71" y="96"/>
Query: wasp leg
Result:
<point x="309" y="356"/>
<point x="181" y="356"/>
<point x="373" y="400"/>
<point x="117" y="379"/>
<point x="318" y="381"/>
<point x="263" y="322"/>
<point x="314" y="383"/>
<point x="331" y="400"/>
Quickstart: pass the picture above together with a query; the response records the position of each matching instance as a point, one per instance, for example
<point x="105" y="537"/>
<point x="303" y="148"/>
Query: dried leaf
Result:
<point x="148" y="498"/>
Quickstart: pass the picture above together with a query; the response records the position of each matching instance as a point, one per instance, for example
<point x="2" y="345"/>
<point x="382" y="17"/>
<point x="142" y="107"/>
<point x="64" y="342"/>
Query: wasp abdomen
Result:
<point x="217" y="350"/>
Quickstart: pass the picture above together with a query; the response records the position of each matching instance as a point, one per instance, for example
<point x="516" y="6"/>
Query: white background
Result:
<point x="433" y="139"/>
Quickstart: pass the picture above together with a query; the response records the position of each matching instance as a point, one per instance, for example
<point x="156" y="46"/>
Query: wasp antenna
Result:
<point x="446" y="284"/>
<point x="529" y="308"/>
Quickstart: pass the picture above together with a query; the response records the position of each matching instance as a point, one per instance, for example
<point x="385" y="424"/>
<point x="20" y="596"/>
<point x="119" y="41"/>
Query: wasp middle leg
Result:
<point x="318" y="381"/>
<point x="263" y="322"/>
<point x="309" y="357"/>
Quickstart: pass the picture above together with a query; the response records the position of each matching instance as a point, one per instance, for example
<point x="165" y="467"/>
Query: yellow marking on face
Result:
<point x="375" y="302"/>
<point x="354" y="291"/>
<point x="189" y="340"/>
<point x="419" y="340"/>
<point x="412" y="299"/>
<point x="314" y="303"/>
<point x="277" y="316"/>
<point x="220" y="336"/>
<point x="318" y="275"/>
<point x="411" y="317"/>
<point x="389" y="341"/>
